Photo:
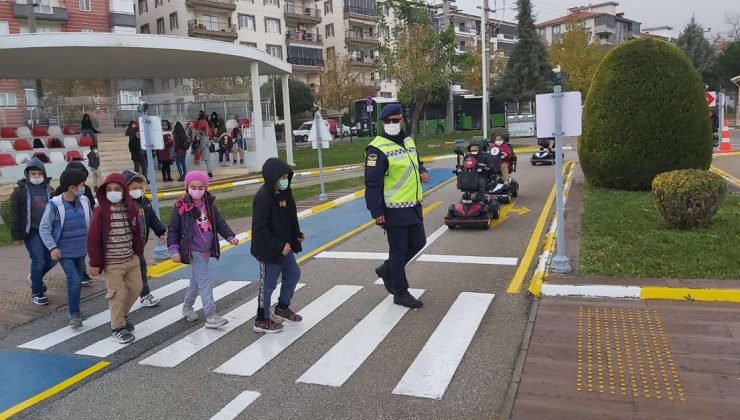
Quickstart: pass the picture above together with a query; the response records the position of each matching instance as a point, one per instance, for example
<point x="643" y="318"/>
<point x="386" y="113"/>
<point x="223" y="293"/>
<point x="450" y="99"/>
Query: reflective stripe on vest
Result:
<point x="401" y="186"/>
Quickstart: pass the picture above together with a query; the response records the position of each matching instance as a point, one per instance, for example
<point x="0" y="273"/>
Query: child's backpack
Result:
<point x="38" y="143"/>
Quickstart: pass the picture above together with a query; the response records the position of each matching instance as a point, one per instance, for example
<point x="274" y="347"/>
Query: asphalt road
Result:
<point x="191" y="389"/>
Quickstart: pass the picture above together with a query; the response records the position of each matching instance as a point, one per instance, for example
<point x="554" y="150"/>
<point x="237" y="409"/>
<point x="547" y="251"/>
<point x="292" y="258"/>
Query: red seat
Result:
<point x="6" y="159"/>
<point x="39" y="131"/>
<point x="71" y="129"/>
<point x="22" y="144"/>
<point x="73" y="155"/>
<point x="244" y="121"/>
<point x="7" y="132"/>
<point x="86" y="141"/>
<point x="54" y="143"/>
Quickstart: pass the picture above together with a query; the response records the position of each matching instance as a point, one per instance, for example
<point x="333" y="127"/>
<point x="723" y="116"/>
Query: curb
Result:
<point x="642" y="292"/>
<point x="725" y="175"/>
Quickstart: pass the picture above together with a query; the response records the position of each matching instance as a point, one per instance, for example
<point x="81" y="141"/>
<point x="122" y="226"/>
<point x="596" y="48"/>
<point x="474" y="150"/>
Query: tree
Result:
<point x="527" y="71"/>
<point x="578" y="56"/>
<point x="301" y="97"/>
<point x="474" y="78"/>
<point x="698" y="48"/>
<point x="339" y="86"/>
<point x="733" y="21"/>
<point x="417" y="56"/>
<point x="728" y="64"/>
<point x="229" y="85"/>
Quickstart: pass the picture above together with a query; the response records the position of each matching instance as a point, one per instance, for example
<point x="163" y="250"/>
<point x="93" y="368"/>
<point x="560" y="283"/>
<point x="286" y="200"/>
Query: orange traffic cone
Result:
<point x="725" y="145"/>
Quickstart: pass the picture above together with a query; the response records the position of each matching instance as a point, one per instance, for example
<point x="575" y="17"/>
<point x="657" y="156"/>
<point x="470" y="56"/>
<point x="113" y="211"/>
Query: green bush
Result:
<point x="5" y="210"/>
<point x="688" y="198"/>
<point x="645" y="113"/>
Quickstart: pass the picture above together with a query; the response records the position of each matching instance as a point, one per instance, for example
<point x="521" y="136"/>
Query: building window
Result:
<point x="542" y="31"/>
<point x="144" y="29"/>
<point x="275" y="51"/>
<point x="328" y="7"/>
<point x="157" y="3"/>
<point x="272" y="3"/>
<point x="31" y="98"/>
<point x="329" y="30"/>
<point x="86" y="30"/>
<point x="8" y="99"/>
<point x="272" y="25"/>
<point x="149" y="85"/>
<point x="160" y="25"/>
<point x="143" y="7"/>
<point x="165" y="84"/>
<point x="248" y="44"/>
<point x="85" y="5"/>
<point x="246" y="22"/>
<point x="331" y="53"/>
<point x="178" y="82"/>
<point x="556" y="30"/>
<point x="173" y="21"/>
<point x="211" y="23"/>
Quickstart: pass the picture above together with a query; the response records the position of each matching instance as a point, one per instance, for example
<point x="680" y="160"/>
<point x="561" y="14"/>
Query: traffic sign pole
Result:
<point x="560" y="263"/>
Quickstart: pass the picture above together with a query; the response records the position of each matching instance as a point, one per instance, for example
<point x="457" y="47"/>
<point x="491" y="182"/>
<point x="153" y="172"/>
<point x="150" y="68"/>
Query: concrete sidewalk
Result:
<point x="627" y="359"/>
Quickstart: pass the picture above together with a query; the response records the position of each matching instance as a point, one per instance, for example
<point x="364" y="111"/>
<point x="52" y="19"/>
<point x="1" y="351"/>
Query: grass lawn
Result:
<point x="349" y="153"/>
<point x="622" y="235"/>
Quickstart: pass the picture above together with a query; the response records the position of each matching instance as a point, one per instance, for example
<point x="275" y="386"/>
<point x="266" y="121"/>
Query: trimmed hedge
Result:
<point x="689" y="198"/>
<point x="645" y="114"/>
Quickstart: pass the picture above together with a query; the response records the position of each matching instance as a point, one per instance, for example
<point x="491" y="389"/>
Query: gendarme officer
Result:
<point x="393" y="178"/>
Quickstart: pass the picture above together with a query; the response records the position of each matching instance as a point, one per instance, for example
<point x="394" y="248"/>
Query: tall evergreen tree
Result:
<point x="697" y="47"/>
<point x="528" y="70"/>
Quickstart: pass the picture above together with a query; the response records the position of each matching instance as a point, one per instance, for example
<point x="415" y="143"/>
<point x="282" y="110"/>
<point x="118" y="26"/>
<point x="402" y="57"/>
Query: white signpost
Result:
<point x="152" y="139"/>
<point x="320" y="141"/>
<point x="558" y="115"/>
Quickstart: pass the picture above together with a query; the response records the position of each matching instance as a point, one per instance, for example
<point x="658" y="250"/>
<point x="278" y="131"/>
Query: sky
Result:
<point x="675" y="13"/>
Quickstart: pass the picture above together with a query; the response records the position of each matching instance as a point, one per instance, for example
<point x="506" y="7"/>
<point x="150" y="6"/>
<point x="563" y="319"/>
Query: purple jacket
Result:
<point x="182" y="227"/>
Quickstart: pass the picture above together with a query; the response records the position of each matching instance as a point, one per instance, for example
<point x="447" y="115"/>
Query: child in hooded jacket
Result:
<point x="192" y="238"/>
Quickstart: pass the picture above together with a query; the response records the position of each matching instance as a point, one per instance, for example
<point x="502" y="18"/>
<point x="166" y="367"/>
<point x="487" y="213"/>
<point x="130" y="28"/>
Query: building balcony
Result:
<point x="368" y="83"/>
<point x="212" y="5"/>
<point x="42" y="12"/>
<point x="466" y="32"/>
<point x="122" y="19"/>
<point x="356" y="37"/>
<point x="360" y="13"/>
<point x="363" y="62"/>
<point x="306" y="65"/>
<point x="304" y="37"/>
<point x="302" y="14"/>
<point x="212" y="30"/>
<point x="603" y="29"/>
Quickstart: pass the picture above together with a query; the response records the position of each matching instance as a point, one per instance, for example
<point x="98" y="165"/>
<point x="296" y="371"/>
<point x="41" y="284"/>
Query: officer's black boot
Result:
<point x="385" y="274"/>
<point x="407" y="300"/>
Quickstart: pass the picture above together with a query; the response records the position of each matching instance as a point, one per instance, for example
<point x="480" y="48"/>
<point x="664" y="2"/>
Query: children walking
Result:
<point x="27" y="204"/>
<point x="147" y="220"/>
<point x="63" y="229"/>
<point x="114" y="246"/>
<point x="192" y="238"/>
<point x="276" y="237"/>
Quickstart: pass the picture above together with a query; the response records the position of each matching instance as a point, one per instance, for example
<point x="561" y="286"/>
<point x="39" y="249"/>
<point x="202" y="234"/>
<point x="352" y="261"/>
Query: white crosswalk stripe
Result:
<point x="236" y="406"/>
<point x="63" y="334"/>
<point x="339" y="363"/>
<point x="259" y="353"/>
<point x="181" y="350"/>
<point x="432" y="370"/>
<point x="107" y="346"/>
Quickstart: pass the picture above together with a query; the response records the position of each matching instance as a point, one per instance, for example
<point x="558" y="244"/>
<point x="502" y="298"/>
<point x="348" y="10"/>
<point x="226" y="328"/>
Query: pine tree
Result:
<point x="697" y="47"/>
<point x="527" y="71"/>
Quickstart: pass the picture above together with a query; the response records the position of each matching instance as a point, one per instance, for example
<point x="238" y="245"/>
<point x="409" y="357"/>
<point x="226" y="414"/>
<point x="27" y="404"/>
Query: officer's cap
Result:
<point x="391" y="109"/>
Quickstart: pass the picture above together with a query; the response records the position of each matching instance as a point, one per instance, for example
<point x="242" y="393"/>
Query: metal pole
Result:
<point x="287" y="121"/>
<point x="721" y="108"/>
<point x="484" y="66"/>
<point x="561" y="263"/>
<point x="319" y="140"/>
<point x="160" y="252"/>
<point x="450" y="98"/>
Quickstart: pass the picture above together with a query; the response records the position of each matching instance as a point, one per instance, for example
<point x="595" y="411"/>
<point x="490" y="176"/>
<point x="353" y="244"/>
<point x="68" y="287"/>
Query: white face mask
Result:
<point x="114" y="196"/>
<point x="36" y="181"/>
<point x="392" y="129"/>
<point x="136" y="194"/>
<point x="499" y="142"/>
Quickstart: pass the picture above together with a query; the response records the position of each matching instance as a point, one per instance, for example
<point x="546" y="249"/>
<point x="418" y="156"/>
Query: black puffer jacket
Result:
<point x="275" y="218"/>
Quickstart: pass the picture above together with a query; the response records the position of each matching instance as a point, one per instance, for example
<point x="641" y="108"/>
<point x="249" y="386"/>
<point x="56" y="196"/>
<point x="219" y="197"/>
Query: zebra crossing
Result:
<point x="427" y="377"/>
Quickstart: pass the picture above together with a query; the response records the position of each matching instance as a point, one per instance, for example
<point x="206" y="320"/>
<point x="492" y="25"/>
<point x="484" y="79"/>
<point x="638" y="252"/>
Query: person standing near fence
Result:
<point x="182" y="143"/>
<point x="93" y="161"/>
<point x="205" y="147"/>
<point x="134" y="145"/>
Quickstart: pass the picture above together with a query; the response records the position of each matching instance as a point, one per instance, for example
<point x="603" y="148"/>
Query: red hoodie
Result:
<point x="504" y="148"/>
<point x="97" y="237"/>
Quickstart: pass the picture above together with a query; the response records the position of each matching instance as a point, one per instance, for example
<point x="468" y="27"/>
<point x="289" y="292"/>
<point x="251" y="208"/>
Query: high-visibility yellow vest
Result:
<point x="401" y="185"/>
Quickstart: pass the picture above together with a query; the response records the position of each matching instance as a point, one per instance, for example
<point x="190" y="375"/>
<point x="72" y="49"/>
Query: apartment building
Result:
<point x="661" y="32"/>
<point x="468" y="31"/>
<point x="608" y="26"/>
<point x="18" y="96"/>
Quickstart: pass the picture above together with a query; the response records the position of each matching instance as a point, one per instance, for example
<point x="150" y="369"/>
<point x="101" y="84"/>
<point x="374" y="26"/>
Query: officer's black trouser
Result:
<point x="404" y="242"/>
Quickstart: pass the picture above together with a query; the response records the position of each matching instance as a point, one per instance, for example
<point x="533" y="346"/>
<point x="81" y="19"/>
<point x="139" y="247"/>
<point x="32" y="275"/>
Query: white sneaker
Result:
<point x="215" y="321"/>
<point x="189" y="314"/>
<point x="149" y="301"/>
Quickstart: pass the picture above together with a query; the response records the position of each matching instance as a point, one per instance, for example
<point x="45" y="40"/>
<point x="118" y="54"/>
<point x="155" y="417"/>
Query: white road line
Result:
<point x="107" y="346"/>
<point x="430" y="239"/>
<point x="258" y="354"/>
<point x="591" y="290"/>
<point x="236" y="406"/>
<point x="63" y="334"/>
<point x="181" y="350"/>
<point x="467" y="259"/>
<point x="339" y="363"/>
<point x="435" y="365"/>
<point x="353" y="255"/>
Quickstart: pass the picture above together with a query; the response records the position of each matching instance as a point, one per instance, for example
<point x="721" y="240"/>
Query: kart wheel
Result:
<point x="496" y="212"/>
<point x="506" y="200"/>
<point x="533" y="163"/>
<point x="487" y="225"/>
<point x="452" y="227"/>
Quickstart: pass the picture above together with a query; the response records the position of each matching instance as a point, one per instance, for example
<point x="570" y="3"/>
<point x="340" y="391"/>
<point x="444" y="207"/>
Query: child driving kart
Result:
<point x="506" y="154"/>
<point x="478" y="149"/>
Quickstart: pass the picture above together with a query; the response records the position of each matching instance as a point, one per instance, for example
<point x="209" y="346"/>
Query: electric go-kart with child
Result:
<point x="499" y="190"/>
<point x="544" y="156"/>
<point x="472" y="210"/>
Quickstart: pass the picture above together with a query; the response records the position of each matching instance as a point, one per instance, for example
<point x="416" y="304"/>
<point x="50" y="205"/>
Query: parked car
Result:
<point x="301" y="133"/>
<point x="346" y="131"/>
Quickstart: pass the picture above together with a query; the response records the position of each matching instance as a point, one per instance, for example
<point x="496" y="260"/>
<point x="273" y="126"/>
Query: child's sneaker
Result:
<point x="189" y="314"/>
<point x="268" y="326"/>
<point x="149" y="301"/>
<point x="75" y="321"/>
<point x="287" y="314"/>
<point x="86" y="279"/>
<point x="40" y="299"/>
<point x="123" y="336"/>
<point x="43" y="285"/>
<point x="215" y="321"/>
<point x="129" y="324"/>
